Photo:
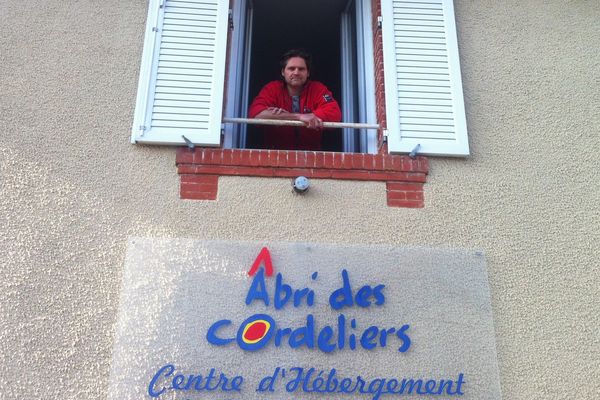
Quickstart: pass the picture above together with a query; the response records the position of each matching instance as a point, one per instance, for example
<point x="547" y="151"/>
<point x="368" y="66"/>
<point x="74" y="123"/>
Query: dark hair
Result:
<point x="295" y="53"/>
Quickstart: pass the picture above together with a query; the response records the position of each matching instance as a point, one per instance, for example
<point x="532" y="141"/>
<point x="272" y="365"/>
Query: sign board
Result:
<point x="241" y="320"/>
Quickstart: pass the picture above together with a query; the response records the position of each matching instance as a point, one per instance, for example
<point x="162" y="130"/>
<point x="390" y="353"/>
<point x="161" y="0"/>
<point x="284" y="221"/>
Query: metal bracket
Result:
<point x="379" y="22"/>
<point x="413" y="153"/>
<point x="188" y="143"/>
<point x="384" y="139"/>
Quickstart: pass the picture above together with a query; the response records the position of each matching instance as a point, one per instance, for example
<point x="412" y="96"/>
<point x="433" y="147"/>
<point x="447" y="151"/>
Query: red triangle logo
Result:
<point x="263" y="257"/>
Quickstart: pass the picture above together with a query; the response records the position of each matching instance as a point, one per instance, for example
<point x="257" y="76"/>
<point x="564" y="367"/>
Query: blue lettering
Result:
<point x="281" y="289"/>
<point x="404" y="337"/>
<point x="211" y="335"/>
<point x="268" y="382"/>
<point x="167" y="370"/>
<point x="392" y="384"/>
<point x="258" y="289"/>
<point x="378" y="293"/>
<point x="332" y="382"/>
<point x="366" y="340"/>
<point x="383" y="336"/>
<point x="178" y="381"/>
<point x="362" y="297"/>
<point x="342" y="297"/>
<point x="375" y="387"/>
<point x="304" y="335"/>
<point x="323" y="341"/>
<point x="293" y="385"/>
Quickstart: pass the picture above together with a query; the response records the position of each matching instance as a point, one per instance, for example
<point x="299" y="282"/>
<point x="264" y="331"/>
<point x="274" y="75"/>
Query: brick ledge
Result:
<point x="200" y="168"/>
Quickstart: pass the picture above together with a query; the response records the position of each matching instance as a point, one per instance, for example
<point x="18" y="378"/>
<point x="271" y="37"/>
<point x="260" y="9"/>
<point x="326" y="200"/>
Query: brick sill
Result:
<point x="199" y="170"/>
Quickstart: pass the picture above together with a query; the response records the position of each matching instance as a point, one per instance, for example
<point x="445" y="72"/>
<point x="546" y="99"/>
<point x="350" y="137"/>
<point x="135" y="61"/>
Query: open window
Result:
<point x="338" y="35"/>
<point x="182" y="78"/>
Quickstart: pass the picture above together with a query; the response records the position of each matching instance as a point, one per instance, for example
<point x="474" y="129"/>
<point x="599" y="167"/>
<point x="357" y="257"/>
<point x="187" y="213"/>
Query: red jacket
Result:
<point x="315" y="98"/>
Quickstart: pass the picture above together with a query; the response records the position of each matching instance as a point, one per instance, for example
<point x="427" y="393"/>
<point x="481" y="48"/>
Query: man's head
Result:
<point x="295" y="69"/>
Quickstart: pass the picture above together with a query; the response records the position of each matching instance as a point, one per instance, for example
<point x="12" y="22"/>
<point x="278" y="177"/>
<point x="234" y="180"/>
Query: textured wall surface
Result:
<point x="73" y="190"/>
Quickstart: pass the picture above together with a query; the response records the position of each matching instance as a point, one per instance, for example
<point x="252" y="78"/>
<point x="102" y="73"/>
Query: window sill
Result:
<point x="199" y="170"/>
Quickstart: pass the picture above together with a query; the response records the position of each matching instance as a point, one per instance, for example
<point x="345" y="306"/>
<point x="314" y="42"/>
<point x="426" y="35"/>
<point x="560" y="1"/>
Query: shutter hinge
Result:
<point x="188" y="143"/>
<point x="379" y="22"/>
<point x="383" y="140"/>
<point x="161" y="4"/>
<point x="142" y="129"/>
<point x="230" y="19"/>
<point x="155" y="29"/>
<point x="413" y="153"/>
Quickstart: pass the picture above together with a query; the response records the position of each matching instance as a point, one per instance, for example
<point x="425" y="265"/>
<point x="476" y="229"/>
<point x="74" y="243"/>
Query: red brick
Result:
<point x="227" y="156"/>
<point x="310" y="159"/>
<point x="407" y="164"/>
<point x="319" y="160"/>
<point x="358" y="161"/>
<point x="320" y="173"/>
<point x="254" y="157"/>
<point x="396" y="162"/>
<point x="342" y="160"/>
<point x="291" y="172"/>
<point x="301" y="158"/>
<point x="350" y="174"/>
<point x="246" y="171"/>
<point x="184" y="155"/>
<point x="378" y="162"/>
<point x="404" y="186"/>
<point x="404" y="203"/>
<point x="396" y="176"/>
<point x="414" y="196"/>
<point x="423" y="164"/>
<point x="292" y="160"/>
<point x="245" y="157"/>
<point x="236" y="157"/>
<point x="328" y="160"/>
<point x="199" y="179"/>
<point x="396" y="195"/>
<point x="194" y="188"/>
<point x="186" y="169"/>
<point x="369" y="161"/>
<point x="198" y="195"/>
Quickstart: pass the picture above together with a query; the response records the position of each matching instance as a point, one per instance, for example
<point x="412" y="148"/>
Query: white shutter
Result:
<point x="182" y="74"/>
<point x="423" y="89"/>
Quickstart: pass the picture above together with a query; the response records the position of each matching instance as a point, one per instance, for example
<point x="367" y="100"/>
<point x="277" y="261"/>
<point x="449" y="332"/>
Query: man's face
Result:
<point x="295" y="72"/>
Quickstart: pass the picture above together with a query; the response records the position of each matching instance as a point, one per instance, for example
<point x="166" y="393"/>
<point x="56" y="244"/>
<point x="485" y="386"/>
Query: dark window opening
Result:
<point x="332" y="31"/>
<point x="313" y="25"/>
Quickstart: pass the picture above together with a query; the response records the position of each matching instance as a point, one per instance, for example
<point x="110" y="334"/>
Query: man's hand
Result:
<point x="276" y="110"/>
<point x="311" y="121"/>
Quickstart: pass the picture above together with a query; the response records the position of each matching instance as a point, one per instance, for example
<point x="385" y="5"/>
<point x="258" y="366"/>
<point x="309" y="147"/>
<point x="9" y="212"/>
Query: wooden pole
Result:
<point x="285" y="122"/>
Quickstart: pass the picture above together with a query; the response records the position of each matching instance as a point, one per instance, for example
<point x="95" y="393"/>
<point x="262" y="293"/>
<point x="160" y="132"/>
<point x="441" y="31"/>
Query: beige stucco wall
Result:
<point x="73" y="189"/>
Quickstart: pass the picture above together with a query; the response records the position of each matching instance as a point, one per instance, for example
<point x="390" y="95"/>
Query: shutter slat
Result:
<point x="168" y="121"/>
<point x="180" y="96"/>
<point x="164" y="105"/>
<point x="179" y="114"/>
<point x="409" y="109"/>
<point x="187" y="4"/>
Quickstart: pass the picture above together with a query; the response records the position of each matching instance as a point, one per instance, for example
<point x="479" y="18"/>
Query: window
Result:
<point x="182" y="77"/>
<point x="338" y="35"/>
